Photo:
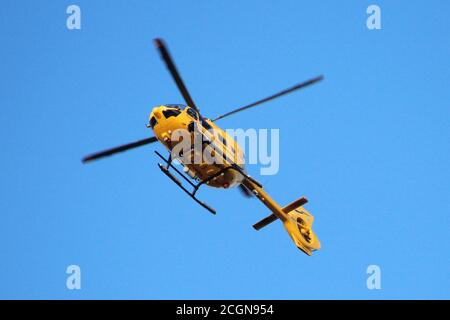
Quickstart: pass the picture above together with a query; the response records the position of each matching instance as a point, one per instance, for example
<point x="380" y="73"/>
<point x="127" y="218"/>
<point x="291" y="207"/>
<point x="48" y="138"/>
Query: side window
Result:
<point x="192" y="113"/>
<point x="206" y="125"/>
<point x="223" y="140"/>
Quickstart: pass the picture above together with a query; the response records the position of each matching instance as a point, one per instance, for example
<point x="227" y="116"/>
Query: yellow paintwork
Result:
<point x="297" y="222"/>
<point x="166" y="126"/>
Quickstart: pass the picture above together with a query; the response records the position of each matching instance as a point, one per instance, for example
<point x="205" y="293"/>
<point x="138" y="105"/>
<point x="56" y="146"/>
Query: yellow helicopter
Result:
<point x="166" y="120"/>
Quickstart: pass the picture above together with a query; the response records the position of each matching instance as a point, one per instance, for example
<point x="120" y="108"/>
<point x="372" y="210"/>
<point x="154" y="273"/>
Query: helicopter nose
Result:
<point x="157" y="112"/>
<point x="155" y="117"/>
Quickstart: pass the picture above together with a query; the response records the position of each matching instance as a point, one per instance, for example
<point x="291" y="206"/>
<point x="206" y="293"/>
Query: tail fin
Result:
<point x="298" y="225"/>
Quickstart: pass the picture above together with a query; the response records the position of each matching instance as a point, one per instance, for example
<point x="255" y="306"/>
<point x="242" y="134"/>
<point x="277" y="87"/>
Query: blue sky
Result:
<point x="369" y="147"/>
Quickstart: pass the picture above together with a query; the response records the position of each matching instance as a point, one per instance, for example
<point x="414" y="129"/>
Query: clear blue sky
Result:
<point x="369" y="147"/>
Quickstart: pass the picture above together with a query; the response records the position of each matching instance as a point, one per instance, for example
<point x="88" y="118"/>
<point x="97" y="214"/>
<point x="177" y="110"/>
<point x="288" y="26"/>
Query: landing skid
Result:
<point x="165" y="170"/>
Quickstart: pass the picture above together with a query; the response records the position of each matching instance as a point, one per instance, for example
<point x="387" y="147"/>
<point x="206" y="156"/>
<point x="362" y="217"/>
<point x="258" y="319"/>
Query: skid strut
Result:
<point x="196" y="187"/>
<point x="165" y="170"/>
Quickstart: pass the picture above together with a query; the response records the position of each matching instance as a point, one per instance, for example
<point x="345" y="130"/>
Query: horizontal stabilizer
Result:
<point x="271" y="218"/>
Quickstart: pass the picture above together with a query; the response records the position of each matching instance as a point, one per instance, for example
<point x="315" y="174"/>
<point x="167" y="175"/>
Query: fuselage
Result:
<point x="208" y="152"/>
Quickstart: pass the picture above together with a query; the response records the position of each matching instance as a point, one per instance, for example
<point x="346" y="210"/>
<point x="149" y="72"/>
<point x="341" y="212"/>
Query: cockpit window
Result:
<point x="171" y="113"/>
<point x="153" y="122"/>
<point x="177" y="106"/>
<point x="192" y="113"/>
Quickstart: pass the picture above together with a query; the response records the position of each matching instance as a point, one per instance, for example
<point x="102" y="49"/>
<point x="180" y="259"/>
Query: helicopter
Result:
<point x="166" y="120"/>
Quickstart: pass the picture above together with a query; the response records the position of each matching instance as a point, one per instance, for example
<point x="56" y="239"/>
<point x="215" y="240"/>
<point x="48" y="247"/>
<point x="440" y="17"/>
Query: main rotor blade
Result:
<point x="274" y="96"/>
<point x="118" y="149"/>
<point x="159" y="43"/>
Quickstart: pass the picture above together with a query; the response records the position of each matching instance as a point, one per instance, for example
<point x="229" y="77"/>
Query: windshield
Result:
<point x="171" y="113"/>
<point x="178" y="106"/>
<point x="153" y="122"/>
